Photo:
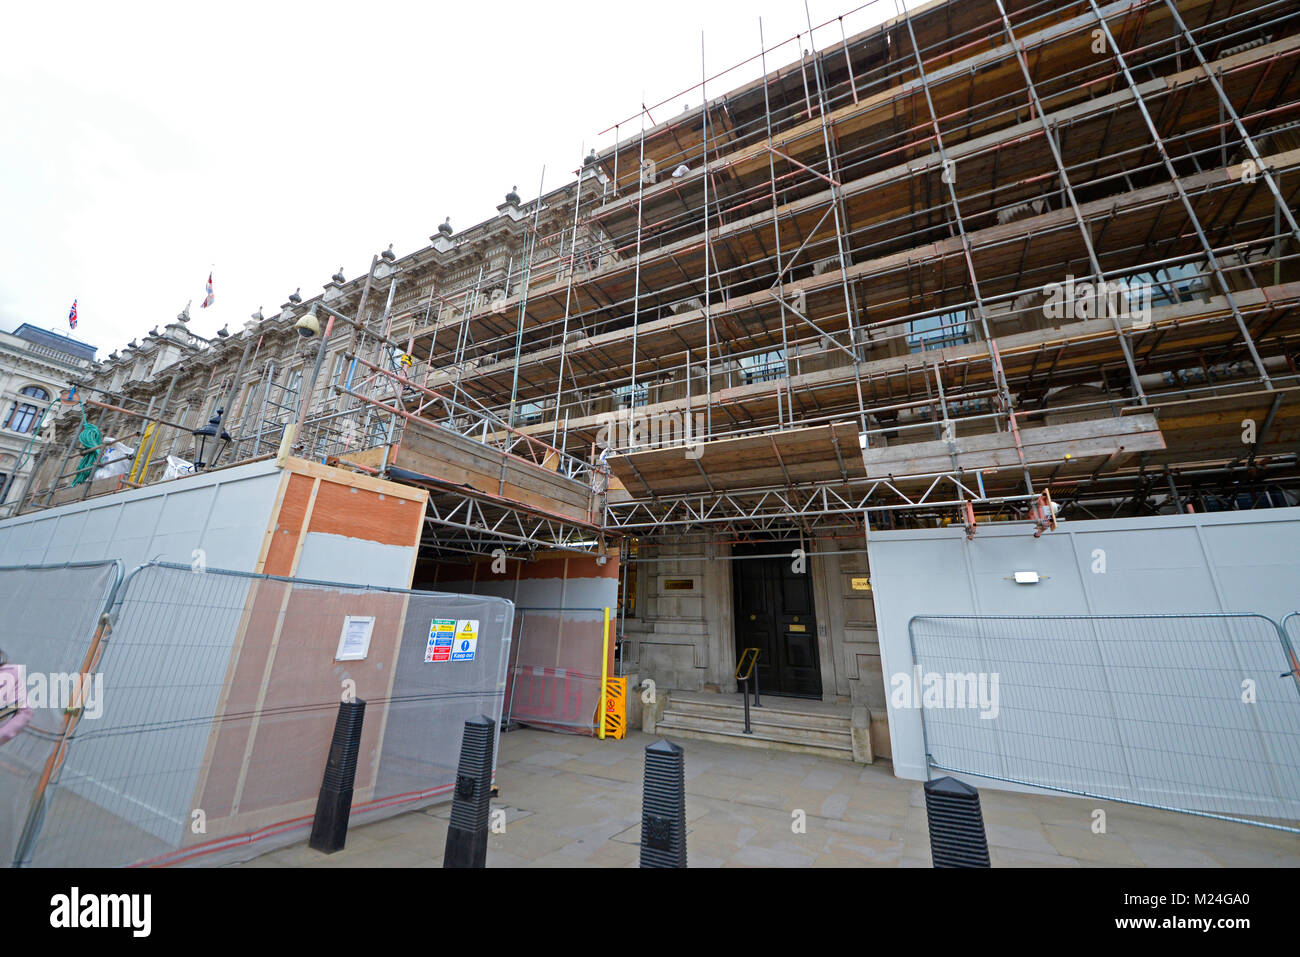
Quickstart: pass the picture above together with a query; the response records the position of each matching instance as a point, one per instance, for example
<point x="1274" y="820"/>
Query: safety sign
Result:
<point x="442" y="632"/>
<point x="466" y="640"/>
<point x="452" y="640"/>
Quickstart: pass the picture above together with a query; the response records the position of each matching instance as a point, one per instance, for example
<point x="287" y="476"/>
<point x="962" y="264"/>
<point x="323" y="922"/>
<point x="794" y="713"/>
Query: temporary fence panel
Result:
<point x="555" y="668"/>
<point x="221" y="693"/>
<point x="1197" y="713"/>
<point x="1290" y="626"/>
<point x="50" y="615"/>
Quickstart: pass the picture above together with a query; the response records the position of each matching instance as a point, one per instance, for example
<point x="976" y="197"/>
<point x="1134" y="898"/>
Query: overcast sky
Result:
<point x="142" y="144"/>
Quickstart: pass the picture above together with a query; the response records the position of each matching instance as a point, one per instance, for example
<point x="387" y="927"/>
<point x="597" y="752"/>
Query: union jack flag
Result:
<point x="207" y="300"/>
<point x="72" y="315"/>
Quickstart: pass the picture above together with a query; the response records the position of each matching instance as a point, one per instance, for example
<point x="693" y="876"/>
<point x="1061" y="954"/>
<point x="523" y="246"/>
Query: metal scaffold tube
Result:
<point x="893" y="208"/>
<point x="1192" y="218"/>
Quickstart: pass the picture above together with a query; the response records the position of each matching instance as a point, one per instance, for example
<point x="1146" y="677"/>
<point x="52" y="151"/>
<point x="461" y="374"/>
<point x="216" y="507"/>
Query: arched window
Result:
<point x="22" y="415"/>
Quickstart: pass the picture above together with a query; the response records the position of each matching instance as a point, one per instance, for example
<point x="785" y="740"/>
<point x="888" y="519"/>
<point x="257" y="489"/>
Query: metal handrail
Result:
<point x="748" y="656"/>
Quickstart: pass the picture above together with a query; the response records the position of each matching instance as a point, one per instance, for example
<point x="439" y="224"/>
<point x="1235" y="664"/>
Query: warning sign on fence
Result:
<point x="442" y="635"/>
<point x="466" y="640"/>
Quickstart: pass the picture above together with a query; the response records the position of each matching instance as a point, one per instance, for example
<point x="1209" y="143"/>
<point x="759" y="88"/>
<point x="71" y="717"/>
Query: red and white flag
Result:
<point x="72" y="315"/>
<point x="207" y="300"/>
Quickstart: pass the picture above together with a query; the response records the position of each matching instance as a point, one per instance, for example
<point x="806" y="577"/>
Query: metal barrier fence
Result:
<point x="217" y="695"/>
<point x="50" y="617"/>
<point x="555" y="680"/>
<point x="1290" y="628"/>
<point x="1193" y="713"/>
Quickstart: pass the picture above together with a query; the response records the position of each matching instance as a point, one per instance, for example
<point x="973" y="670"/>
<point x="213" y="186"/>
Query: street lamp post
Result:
<point x="214" y="433"/>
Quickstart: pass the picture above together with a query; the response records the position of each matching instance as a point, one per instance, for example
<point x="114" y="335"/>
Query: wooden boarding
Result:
<point x="817" y="454"/>
<point x="454" y="460"/>
<point x="1047" y="444"/>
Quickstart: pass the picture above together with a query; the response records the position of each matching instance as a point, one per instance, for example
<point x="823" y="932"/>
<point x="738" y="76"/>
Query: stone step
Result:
<point x="772" y="710"/>
<point x="756" y="740"/>
<point x="769" y="727"/>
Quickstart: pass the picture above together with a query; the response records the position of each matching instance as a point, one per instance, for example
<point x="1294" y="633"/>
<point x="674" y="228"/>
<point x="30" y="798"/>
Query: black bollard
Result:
<point x="467" y="835"/>
<point x="952" y="811"/>
<point x="663" y="806"/>
<point x="329" y="829"/>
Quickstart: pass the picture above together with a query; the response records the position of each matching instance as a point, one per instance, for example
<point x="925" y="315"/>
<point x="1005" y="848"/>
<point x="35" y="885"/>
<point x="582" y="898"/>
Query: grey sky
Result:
<point x="142" y="143"/>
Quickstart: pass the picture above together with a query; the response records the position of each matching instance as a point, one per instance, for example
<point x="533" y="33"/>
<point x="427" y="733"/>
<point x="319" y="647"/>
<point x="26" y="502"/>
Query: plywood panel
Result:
<point x="288" y="525"/>
<point x="818" y="453"/>
<point x="358" y="513"/>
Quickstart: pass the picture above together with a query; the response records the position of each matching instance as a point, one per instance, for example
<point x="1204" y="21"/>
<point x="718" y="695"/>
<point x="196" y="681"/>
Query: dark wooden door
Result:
<point x="774" y="612"/>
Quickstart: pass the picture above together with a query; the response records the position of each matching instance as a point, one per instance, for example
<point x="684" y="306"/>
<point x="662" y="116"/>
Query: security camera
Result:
<point x="308" y="326"/>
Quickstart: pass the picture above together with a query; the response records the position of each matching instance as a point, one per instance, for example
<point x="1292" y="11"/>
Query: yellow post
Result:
<point x="604" y="676"/>
<point x="143" y="454"/>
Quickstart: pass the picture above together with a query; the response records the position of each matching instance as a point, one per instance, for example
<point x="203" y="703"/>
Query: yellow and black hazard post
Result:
<point x="611" y="716"/>
<point x="616" y="707"/>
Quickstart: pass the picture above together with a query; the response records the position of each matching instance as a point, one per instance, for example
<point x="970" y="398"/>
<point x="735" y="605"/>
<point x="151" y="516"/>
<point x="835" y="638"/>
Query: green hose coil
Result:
<point x="90" y="439"/>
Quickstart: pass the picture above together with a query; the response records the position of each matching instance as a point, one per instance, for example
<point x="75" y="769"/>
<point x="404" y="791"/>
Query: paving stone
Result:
<point x="834" y="806"/>
<point x="574" y="801"/>
<point x="864" y="850"/>
<point x="823" y="779"/>
<point x="1082" y="844"/>
<point x="1164" y="855"/>
<point x="751" y="856"/>
<point x="761" y="800"/>
<point x="548" y="758"/>
<point x="1014" y="857"/>
<point x="1019" y="838"/>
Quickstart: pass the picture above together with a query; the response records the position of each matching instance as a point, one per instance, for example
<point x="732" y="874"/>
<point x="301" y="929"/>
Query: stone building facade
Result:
<point x="35" y="366"/>
<point x="258" y="375"/>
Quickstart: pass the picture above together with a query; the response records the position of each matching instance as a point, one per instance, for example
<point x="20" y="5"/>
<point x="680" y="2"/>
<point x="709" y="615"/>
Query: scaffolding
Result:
<point x="931" y="271"/>
<point x="988" y="260"/>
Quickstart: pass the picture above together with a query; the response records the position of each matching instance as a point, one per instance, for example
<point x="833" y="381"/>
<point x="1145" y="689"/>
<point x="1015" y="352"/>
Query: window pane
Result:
<point x="23" y="418"/>
<point x="764" y="367"/>
<point x="625" y="398"/>
<point x="936" y="332"/>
